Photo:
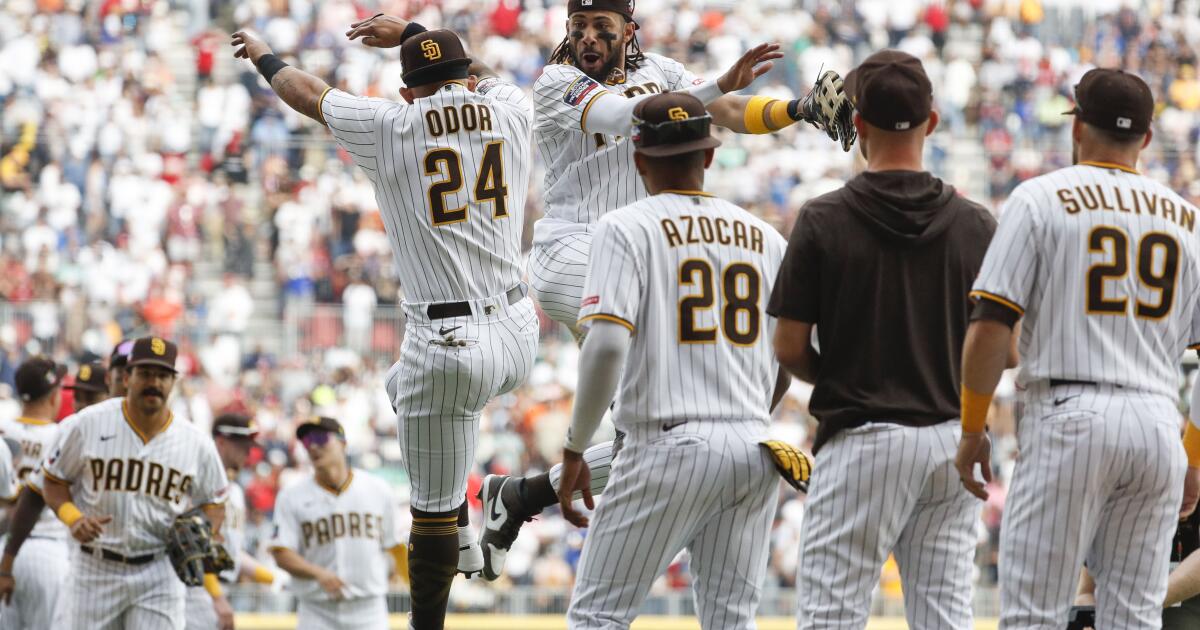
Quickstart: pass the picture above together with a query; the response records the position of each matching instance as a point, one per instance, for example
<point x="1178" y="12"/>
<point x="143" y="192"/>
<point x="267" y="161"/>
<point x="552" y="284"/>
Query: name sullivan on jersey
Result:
<point x="1095" y="197"/>
<point x="135" y="475"/>
<point x="351" y="524"/>
<point x="691" y="230"/>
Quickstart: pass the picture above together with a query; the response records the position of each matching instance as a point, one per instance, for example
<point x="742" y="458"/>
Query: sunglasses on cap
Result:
<point x="671" y="131"/>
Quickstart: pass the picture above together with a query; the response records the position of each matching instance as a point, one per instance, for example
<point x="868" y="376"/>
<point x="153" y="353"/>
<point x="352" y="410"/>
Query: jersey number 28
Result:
<point x="740" y="288"/>
<point x="489" y="184"/>
<point x="1157" y="273"/>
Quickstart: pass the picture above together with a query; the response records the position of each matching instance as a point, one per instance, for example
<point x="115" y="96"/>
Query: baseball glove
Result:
<point x="192" y="550"/>
<point x="827" y="108"/>
<point x="793" y="464"/>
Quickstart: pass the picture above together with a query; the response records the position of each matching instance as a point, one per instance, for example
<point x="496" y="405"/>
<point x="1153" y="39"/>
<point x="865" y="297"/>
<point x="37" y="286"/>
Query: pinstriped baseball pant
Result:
<point x="1100" y="479"/>
<point x="439" y="388"/>
<point x="705" y="486"/>
<point x="40" y="572"/>
<point x="113" y="596"/>
<point x="200" y="613"/>
<point x="879" y="489"/>
<point x="556" y="274"/>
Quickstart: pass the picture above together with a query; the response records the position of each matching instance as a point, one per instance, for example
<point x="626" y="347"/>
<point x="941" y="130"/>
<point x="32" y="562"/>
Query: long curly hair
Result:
<point x="633" y="53"/>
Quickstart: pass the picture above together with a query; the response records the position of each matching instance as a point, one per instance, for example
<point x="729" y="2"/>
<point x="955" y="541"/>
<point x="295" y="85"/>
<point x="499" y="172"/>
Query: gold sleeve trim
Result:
<point x="587" y="108"/>
<point x="609" y="318"/>
<point x="998" y="299"/>
<point x="320" y="104"/>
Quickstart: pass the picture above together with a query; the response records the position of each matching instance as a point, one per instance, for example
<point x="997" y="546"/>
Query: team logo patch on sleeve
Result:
<point x="578" y="90"/>
<point x="589" y="301"/>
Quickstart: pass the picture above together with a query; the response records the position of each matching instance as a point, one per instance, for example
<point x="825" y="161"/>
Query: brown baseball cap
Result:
<point x="432" y="56"/>
<point x="37" y="376"/>
<point x="623" y="7"/>
<point x="671" y="124"/>
<point x="891" y="91"/>
<point x="320" y="423"/>
<point x="154" y="351"/>
<point x="1115" y="101"/>
<point x="120" y="354"/>
<point x="235" y="426"/>
<point x="91" y="377"/>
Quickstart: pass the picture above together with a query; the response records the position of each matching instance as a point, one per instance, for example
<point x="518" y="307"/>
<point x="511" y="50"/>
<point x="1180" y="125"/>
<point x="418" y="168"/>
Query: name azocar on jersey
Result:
<point x="135" y="475"/>
<point x="694" y="230"/>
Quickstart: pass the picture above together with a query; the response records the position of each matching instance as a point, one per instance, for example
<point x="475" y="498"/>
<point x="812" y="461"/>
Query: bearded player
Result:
<point x="583" y="133"/>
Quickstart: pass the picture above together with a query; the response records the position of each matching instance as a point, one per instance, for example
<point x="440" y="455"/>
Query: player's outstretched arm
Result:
<point x="385" y="31"/>
<point x="299" y="89"/>
<point x="600" y="365"/>
<point x="825" y="107"/>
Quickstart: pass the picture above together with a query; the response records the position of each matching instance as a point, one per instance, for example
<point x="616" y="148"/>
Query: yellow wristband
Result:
<point x="754" y="117"/>
<point x="69" y="514"/>
<point x="263" y="575"/>
<point x="974" y="410"/>
<point x="212" y="585"/>
<point x="779" y="115"/>
<point x="1191" y="444"/>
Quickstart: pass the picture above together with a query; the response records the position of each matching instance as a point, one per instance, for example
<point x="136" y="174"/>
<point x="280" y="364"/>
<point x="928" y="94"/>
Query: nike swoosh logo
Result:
<point x="447" y="331"/>
<point x="497" y="513"/>
<point x="1059" y="401"/>
<point x="104" y="438"/>
<point x="668" y="427"/>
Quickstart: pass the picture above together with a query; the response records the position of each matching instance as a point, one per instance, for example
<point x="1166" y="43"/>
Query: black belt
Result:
<point x="1063" y="382"/>
<point x="116" y="557"/>
<point x="444" y="310"/>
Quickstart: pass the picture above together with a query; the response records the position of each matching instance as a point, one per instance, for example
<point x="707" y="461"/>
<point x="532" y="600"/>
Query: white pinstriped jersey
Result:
<point x="690" y="274"/>
<point x="589" y="174"/>
<point x="233" y="529"/>
<point x="8" y="475"/>
<point x="1105" y="264"/>
<point x="346" y="530"/>
<point x="451" y="173"/>
<point x="143" y="486"/>
<point x="36" y="438"/>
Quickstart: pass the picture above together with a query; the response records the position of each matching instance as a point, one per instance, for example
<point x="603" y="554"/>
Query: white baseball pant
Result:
<point x="40" y="573"/>
<point x="439" y="388"/>
<point x="884" y="489"/>
<point x="115" y="596"/>
<point x="360" y="613"/>
<point x="556" y="274"/>
<point x="705" y="486"/>
<point x="200" y="612"/>
<point x="1099" y="480"/>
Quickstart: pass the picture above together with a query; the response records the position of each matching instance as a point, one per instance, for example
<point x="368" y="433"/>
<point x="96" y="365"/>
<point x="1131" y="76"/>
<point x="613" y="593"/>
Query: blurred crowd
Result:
<point x="150" y="183"/>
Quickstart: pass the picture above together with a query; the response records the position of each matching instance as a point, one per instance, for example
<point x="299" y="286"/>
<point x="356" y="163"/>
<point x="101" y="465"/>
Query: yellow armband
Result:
<point x="974" y="410"/>
<point x="757" y="118"/>
<point x="1191" y="444"/>
<point x="262" y="575"/>
<point x="212" y="585"/>
<point x="69" y="514"/>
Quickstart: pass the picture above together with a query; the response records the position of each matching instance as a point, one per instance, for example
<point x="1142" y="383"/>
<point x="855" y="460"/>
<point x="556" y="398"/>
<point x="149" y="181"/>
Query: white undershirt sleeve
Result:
<point x="600" y="366"/>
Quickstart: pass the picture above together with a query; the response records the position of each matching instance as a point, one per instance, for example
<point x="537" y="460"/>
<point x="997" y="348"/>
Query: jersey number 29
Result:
<point x="740" y="288"/>
<point x="1155" y="273"/>
<point x="489" y="184"/>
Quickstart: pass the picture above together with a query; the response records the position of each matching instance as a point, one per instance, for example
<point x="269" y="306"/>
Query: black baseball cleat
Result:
<point x="503" y="516"/>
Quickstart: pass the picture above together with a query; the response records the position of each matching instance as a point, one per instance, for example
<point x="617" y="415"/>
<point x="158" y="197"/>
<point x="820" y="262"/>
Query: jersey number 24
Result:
<point x="489" y="184"/>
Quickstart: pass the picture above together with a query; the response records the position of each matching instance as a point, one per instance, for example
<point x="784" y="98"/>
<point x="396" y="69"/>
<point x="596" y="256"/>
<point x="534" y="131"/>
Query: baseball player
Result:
<point x="28" y="512"/>
<point x="582" y="132"/>
<point x="450" y="168"/>
<point x="676" y="299"/>
<point x="333" y="534"/>
<point x="207" y="607"/>
<point x="90" y="386"/>
<point x="39" y="572"/>
<point x="119" y="474"/>
<point x="117" y="363"/>
<point x="1100" y="264"/>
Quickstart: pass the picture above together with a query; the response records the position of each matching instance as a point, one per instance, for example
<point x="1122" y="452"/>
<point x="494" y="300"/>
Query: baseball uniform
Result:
<point x="348" y="531"/>
<point x="690" y="275"/>
<point x="587" y="174"/>
<point x="450" y="173"/>
<point x="200" y="612"/>
<point x="1104" y="266"/>
<point x="123" y="578"/>
<point x="41" y="569"/>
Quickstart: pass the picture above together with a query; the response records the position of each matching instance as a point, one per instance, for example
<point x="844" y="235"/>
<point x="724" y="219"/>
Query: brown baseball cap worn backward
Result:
<point x="1114" y="101"/>
<point x="91" y="377"/>
<point x="154" y="351"/>
<point x="37" y="376"/>
<point x="433" y="56"/>
<point x="671" y="124"/>
<point x="320" y="423"/>
<point x="891" y="91"/>
<point x="235" y="426"/>
<point x="623" y="7"/>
